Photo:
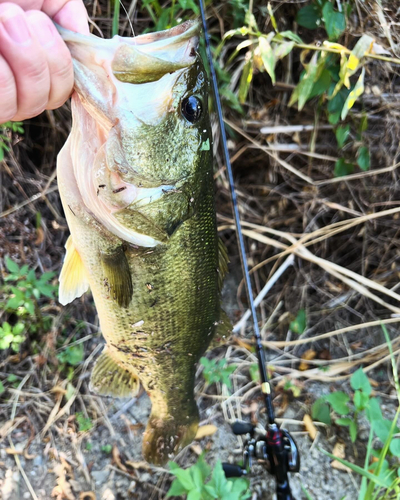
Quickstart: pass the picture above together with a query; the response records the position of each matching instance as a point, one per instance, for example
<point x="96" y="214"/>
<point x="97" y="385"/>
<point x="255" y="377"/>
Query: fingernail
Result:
<point x="16" y="28"/>
<point x="45" y="33"/>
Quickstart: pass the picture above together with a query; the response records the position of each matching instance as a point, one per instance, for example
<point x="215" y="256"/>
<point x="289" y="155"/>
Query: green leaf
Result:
<point x="353" y="431"/>
<point x="254" y="372"/>
<point x="359" y="380"/>
<point x="354" y="95"/>
<point x="194" y="495"/>
<point x="335" y="22"/>
<point x="382" y="429"/>
<point x="338" y="400"/>
<point x="322" y="84"/>
<point x="176" y="489"/>
<point x="394" y="447"/>
<point x="2" y="388"/>
<point x="291" y="36"/>
<point x="374" y="412"/>
<point x="360" y="400"/>
<point x="267" y="57"/>
<point x="245" y="80"/>
<point x="304" y="88"/>
<point x="283" y="49"/>
<point x="343" y="168"/>
<point x="184" y="477"/>
<point x="11" y="265"/>
<point x="320" y="411"/>
<point x="309" y="17"/>
<point x="345" y="422"/>
<point x="363" y="158"/>
<point x="342" y="133"/>
<point x="299" y="324"/>
<point x="84" y="423"/>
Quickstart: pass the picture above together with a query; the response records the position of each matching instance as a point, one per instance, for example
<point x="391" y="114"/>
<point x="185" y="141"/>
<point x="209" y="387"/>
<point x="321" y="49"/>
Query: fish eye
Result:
<point x="191" y="109"/>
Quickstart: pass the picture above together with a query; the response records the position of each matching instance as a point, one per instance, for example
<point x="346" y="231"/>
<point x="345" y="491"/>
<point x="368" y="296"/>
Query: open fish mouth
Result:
<point x="141" y="59"/>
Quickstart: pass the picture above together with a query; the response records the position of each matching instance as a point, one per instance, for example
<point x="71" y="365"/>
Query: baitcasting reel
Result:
<point x="277" y="450"/>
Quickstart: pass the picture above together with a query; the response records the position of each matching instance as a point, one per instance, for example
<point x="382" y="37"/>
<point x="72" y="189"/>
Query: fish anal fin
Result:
<point x="73" y="279"/>
<point x="117" y="276"/>
<point x="223" y="261"/>
<point x="110" y="379"/>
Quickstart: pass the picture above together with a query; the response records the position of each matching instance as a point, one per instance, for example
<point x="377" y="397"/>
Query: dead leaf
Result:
<point x="63" y="490"/>
<point x="205" y="430"/>
<point x="138" y="465"/>
<point x="310" y="427"/>
<point x="39" y="236"/>
<point x="339" y="451"/>
<point x="116" y="459"/>
<point x="196" y="448"/>
<point x="307" y="356"/>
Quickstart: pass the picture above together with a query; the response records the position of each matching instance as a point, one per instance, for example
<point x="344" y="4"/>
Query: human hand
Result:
<point x="36" y="70"/>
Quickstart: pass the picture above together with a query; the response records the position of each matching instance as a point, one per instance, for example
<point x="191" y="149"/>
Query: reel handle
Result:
<point x="233" y="470"/>
<point x="240" y="428"/>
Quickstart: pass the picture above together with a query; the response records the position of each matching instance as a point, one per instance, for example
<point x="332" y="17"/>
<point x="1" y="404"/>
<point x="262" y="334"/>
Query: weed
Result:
<point x="380" y="474"/>
<point x="107" y="448"/>
<point x="328" y="74"/>
<point x="22" y="290"/>
<point x="196" y="483"/>
<point x="299" y="324"/>
<point x="217" y="371"/>
<point x="84" y="423"/>
<point x="5" y="135"/>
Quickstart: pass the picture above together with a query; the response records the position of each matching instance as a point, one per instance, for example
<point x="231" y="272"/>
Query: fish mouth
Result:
<point x="141" y="59"/>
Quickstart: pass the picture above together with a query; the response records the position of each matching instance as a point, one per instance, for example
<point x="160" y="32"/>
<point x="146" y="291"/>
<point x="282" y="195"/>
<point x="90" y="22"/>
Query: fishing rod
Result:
<point x="277" y="449"/>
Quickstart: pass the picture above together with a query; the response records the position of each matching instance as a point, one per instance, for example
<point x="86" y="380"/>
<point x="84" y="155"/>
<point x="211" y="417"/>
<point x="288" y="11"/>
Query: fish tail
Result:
<point x="165" y="437"/>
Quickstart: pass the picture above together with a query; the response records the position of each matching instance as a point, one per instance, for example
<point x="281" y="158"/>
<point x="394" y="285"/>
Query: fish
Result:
<point x="135" y="178"/>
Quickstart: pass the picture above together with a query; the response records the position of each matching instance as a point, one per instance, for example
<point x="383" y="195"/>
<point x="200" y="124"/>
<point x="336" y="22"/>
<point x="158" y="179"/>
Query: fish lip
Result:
<point x="185" y="30"/>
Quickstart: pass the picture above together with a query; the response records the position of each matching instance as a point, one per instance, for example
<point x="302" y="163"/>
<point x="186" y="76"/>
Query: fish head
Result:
<point x="142" y="110"/>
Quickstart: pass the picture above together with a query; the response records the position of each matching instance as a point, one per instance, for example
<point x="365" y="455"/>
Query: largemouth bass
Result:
<point x="136" y="182"/>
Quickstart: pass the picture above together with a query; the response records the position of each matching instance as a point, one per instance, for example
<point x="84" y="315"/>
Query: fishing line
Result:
<point x="266" y="388"/>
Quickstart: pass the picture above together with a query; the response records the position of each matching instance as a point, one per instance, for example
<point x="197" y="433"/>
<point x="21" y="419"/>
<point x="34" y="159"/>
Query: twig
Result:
<point x="270" y="283"/>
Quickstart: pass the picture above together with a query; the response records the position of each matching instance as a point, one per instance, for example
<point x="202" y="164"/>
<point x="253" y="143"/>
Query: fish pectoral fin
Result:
<point x="110" y="379"/>
<point x="73" y="279"/>
<point x="117" y="276"/>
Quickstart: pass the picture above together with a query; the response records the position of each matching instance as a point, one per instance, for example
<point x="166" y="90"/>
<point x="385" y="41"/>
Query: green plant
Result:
<point x="217" y="371"/>
<point x="299" y="324"/>
<point x="84" y="423"/>
<point x="5" y="136"/>
<point x="72" y="355"/>
<point x="322" y="13"/>
<point x="107" y="448"/>
<point x="329" y="72"/>
<point x="23" y="296"/>
<point x="381" y="478"/>
<point x="339" y="403"/>
<point x="196" y="483"/>
<point x="21" y="292"/>
<point x="11" y="336"/>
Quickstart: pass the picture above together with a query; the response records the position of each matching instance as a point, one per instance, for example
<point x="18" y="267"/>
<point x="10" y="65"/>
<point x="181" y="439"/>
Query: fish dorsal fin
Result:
<point x="110" y="379"/>
<point x="73" y="279"/>
<point x="117" y="276"/>
<point x="223" y="261"/>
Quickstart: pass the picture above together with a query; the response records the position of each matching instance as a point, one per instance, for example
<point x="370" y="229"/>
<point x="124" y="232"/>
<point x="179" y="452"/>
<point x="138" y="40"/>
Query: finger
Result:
<point x="8" y="92"/>
<point x="57" y="55"/>
<point x="70" y="14"/>
<point x="26" y="59"/>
